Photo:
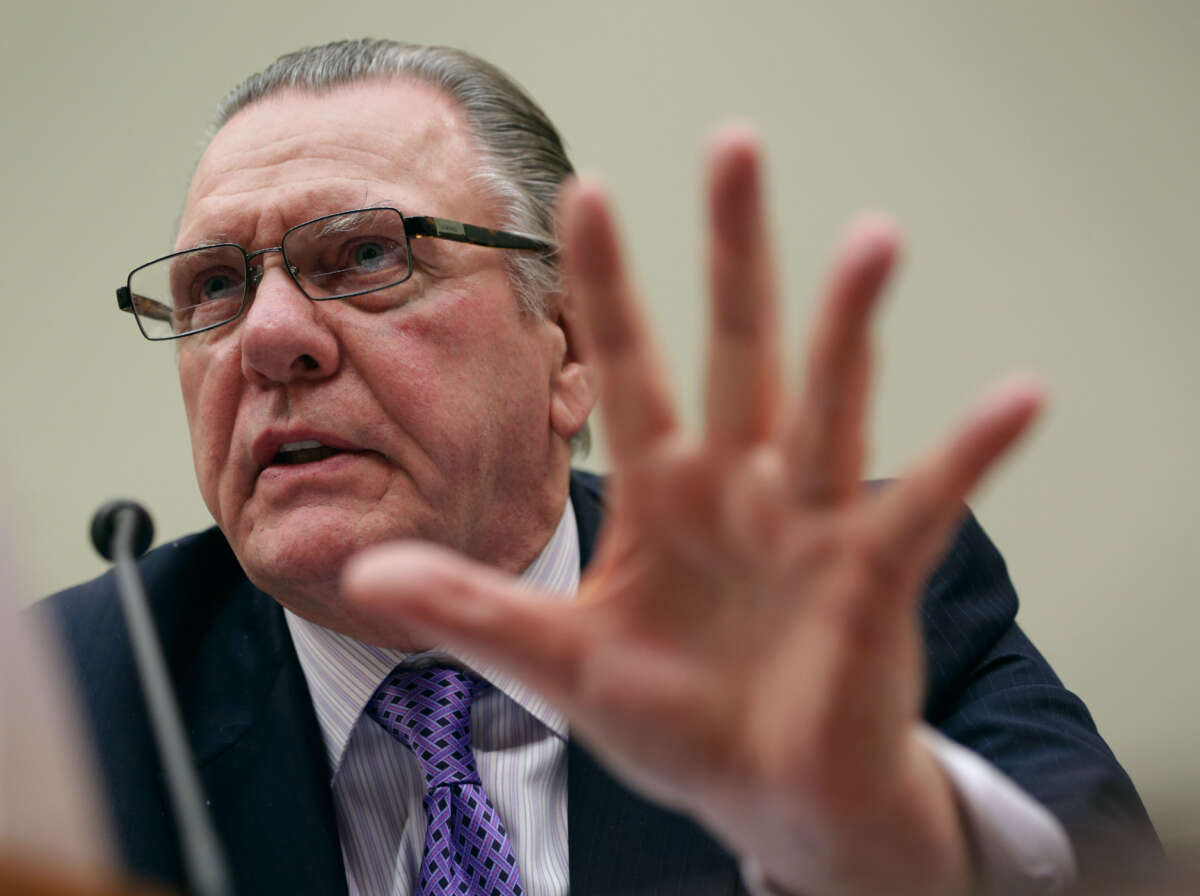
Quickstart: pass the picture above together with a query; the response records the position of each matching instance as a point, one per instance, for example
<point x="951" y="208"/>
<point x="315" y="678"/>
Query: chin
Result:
<point x="296" y="557"/>
<point x="305" y="551"/>
<point x="283" y="568"/>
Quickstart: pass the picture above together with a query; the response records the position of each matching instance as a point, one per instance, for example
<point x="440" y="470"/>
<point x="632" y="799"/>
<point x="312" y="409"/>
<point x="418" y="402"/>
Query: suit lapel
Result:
<point x="621" y="845"/>
<point x="261" y="756"/>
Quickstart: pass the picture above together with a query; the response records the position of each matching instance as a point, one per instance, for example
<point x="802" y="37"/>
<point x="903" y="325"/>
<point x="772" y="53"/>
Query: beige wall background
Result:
<point x="1041" y="157"/>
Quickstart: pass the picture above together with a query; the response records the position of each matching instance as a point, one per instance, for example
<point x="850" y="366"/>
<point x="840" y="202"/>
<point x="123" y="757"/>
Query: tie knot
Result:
<point x="429" y="711"/>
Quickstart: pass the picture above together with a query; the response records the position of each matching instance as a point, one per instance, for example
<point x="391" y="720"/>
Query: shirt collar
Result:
<point x="342" y="673"/>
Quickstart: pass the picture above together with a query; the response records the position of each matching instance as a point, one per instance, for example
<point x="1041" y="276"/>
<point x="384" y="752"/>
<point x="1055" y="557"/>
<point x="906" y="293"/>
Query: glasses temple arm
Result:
<point x="146" y="307"/>
<point x="444" y="229"/>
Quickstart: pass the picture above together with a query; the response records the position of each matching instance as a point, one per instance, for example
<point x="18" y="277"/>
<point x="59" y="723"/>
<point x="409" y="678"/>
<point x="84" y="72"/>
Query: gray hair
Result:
<point x="522" y="158"/>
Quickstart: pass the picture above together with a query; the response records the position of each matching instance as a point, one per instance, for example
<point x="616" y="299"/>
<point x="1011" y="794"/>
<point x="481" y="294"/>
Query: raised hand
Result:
<point x="744" y="646"/>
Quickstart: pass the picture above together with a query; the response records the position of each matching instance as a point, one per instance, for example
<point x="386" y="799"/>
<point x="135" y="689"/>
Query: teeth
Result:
<point x="300" y="446"/>
<point x="303" y="452"/>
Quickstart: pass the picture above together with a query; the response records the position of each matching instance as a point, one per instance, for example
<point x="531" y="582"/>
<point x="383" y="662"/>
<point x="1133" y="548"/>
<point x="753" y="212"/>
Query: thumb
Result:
<point x="415" y="592"/>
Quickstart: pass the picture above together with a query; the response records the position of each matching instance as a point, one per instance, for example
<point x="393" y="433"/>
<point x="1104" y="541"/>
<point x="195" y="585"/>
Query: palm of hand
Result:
<point x="734" y="640"/>
<point x="730" y="641"/>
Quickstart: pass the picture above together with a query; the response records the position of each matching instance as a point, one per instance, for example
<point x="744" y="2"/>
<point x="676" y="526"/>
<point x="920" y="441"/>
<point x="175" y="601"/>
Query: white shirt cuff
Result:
<point x="1018" y="846"/>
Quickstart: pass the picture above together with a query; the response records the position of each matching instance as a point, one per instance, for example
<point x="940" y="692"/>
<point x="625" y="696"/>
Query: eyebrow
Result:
<point x="221" y="239"/>
<point x="336" y="225"/>
<point x="218" y="240"/>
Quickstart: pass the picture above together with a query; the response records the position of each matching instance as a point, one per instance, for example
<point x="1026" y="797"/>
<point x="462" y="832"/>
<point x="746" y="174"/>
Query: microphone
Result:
<point x="122" y="531"/>
<point x="104" y="528"/>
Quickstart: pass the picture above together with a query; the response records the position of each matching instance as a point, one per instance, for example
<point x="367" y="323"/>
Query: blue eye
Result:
<point x="215" y="284"/>
<point x="215" y="287"/>
<point x="370" y="255"/>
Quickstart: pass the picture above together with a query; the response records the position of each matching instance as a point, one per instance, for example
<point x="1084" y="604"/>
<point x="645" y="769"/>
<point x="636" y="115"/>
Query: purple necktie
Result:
<point x="467" y="850"/>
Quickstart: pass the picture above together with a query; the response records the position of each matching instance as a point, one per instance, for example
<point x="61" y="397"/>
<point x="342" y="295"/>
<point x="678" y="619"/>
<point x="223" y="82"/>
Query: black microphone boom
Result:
<point x="121" y="532"/>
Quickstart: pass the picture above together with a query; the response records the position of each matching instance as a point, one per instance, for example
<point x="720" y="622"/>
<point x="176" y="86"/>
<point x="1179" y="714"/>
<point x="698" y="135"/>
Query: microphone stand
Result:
<point x="121" y="532"/>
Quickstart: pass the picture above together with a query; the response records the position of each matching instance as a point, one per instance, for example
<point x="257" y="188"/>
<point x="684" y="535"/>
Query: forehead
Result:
<point x="297" y="155"/>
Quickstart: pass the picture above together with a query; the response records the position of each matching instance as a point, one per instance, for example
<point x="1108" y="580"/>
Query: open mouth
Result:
<point x="305" y="452"/>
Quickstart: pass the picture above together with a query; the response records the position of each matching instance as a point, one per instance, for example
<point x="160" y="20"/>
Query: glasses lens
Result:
<point x="349" y="254"/>
<point x="189" y="291"/>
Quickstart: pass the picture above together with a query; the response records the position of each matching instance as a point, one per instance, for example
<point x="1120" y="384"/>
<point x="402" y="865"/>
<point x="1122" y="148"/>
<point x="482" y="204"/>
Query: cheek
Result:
<point x="210" y="401"/>
<point x="456" y="372"/>
<point x="416" y="375"/>
<point x="465" y="352"/>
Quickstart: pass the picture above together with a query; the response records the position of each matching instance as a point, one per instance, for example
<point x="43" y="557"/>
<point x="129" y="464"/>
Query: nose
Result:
<point x="285" y="337"/>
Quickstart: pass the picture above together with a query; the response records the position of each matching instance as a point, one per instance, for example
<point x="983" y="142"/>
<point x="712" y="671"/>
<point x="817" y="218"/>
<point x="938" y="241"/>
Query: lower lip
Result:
<point x="313" y="471"/>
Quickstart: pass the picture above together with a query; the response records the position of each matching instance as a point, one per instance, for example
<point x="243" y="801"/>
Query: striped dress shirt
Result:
<point x="520" y="745"/>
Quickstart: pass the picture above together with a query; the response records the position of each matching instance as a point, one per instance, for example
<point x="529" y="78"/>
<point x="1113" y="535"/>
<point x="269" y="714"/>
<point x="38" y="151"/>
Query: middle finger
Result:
<point x="743" y="365"/>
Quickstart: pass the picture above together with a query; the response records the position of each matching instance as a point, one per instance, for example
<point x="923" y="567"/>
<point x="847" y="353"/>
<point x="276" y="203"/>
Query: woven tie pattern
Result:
<point x="467" y="850"/>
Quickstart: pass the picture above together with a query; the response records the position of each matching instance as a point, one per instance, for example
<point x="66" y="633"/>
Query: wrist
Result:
<point x="910" y="839"/>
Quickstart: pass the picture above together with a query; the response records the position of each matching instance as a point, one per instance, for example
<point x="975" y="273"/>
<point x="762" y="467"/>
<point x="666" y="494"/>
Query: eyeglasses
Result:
<point x="335" y="256"/>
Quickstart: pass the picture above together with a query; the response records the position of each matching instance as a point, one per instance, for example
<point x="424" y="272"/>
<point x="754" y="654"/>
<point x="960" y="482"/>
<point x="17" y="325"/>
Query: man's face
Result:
<point x="441" y="399"/>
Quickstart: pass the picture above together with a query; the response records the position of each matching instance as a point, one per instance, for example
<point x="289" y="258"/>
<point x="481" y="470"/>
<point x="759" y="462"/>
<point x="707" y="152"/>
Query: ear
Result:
<point x="573" y="388"/>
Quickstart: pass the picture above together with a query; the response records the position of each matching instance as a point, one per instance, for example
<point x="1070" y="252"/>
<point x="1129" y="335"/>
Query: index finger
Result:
<point x="634" y="396"/>
<point x="915" y="515"/>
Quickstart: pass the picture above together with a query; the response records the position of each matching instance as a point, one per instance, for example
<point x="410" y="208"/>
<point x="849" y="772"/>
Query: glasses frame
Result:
<point x="415" y="227"/>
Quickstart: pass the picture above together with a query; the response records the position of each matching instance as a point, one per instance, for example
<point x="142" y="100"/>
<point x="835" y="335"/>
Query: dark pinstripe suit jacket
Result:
<point x="263" y="764"/>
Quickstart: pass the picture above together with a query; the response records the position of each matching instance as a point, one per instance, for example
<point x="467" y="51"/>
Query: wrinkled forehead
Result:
<point x="297" y="154"/>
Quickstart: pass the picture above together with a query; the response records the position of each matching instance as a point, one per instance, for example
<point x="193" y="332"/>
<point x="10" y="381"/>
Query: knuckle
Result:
<point x="855" y="618"/>
<point x="813" y="548"/>
<point x="878" y="561"/>
<point x="924" y="514"/>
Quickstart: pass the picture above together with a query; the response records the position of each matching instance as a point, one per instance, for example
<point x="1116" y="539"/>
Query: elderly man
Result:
<point x="386" y="351"/>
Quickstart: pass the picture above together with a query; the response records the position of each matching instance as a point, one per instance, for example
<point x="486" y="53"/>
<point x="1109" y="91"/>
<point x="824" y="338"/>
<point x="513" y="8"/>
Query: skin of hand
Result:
<point x="744" y="646"/>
